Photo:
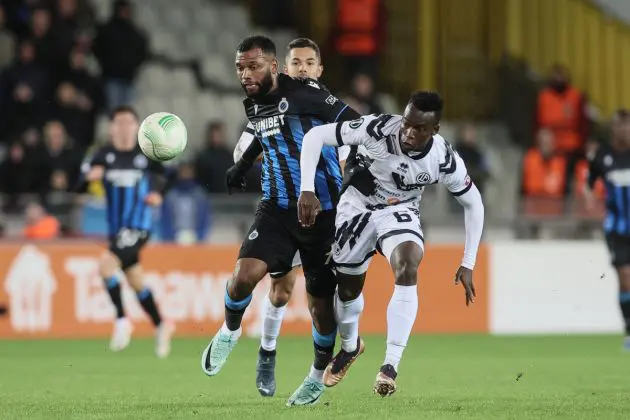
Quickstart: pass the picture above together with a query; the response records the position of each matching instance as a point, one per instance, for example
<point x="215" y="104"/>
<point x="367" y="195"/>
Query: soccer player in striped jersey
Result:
<point x="612" y="164"/>
<point x="281" y="110"/>
<point x="303" y="61"/>
<point x="133" y="186"/>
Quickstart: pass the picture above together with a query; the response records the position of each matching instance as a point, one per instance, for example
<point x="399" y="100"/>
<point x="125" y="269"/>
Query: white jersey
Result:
<point x="378" y="209"/>
<point x="398" y="177"/>
<point x="248" y="136"/>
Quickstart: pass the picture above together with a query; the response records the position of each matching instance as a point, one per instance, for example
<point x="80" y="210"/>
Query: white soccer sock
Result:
<point x="316" y="374"/>
<point x="401" y="314"/>
<point x="271" y="324"/>
<point x="233" y="334"/>
<point x="347" y="315"/>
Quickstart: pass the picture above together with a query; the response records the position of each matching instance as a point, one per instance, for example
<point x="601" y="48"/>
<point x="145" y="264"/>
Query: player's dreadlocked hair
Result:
<point x="427" y="101"/>
<point x="257" y="41"/>
<point x="304" y="43"/>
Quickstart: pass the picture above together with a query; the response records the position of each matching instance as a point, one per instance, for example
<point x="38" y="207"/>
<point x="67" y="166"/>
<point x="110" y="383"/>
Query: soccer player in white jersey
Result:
<point x="303" y="60"/>
<point x="398" y="156"/>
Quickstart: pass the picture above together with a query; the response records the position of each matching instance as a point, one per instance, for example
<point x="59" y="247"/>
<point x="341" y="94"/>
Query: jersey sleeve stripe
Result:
<point x="249" y="130"/>
<point x="342" y="109"/>
<point x="338" y="134"/>
<point x="464" y="191"/>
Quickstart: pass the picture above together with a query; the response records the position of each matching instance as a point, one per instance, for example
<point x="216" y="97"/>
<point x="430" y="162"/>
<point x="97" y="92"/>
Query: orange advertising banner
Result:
<point x="54" y="290"/>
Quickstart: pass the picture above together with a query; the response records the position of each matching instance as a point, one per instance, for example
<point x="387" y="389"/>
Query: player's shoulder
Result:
<point x="441" y="146"/>
<point x="445" y="154"/>
<point x="377" y="126"/>
<point x="309" y="84"/>
<point x="302" y="84"/>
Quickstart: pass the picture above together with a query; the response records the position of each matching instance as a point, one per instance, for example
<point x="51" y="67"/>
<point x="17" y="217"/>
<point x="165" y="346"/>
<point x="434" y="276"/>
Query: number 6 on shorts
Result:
<point x="360" y="235"/>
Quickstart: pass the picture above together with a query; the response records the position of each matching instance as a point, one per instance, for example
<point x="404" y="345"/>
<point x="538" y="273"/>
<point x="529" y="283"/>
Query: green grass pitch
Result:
<point x="441" y="377"/>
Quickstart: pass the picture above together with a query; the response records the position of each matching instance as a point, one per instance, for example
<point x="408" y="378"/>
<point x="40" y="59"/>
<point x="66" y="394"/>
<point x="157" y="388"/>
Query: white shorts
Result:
<point x="296" y="260"/>
<point x="361" y="232"/>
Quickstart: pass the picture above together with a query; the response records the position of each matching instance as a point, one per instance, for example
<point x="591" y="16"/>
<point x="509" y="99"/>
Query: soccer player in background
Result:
<point x="281" y="109"/>
<point x="134" y="185"/>
<point x="378" y="210"/>
<point x="303" y="61"/>
<point x="611" y="162"/>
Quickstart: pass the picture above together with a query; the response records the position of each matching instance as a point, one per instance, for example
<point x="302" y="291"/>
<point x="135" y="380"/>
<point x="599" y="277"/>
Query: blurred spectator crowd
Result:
<point x="51" y="89"/>
<point x="555" y="167"/>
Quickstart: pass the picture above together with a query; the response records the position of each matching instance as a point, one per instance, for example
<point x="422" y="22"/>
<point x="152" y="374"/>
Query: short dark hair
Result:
<point x="215" y="125"/>
<point x="122" y="109"/>
<point x="257" y="41"/>
<point x="304" y="43"/>
<point x="621" y="115"/>
<point x="428" y="101"/>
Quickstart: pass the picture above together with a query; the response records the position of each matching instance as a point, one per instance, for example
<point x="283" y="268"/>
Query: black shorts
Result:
<point x="619" y="248"/>
<point x="276" y="235"/>
<point x="127" y="244"/>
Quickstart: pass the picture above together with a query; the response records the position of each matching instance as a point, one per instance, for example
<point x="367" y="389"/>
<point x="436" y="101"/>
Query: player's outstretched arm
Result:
<point x="473" y="219"/>
<point x="454" y="175"/>
<point x="312" y="144"/>
<point x="347" y="133"/>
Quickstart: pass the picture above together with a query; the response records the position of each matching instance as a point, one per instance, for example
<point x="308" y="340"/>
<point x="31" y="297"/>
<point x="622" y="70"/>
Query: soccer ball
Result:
<point x="162" y="136"/>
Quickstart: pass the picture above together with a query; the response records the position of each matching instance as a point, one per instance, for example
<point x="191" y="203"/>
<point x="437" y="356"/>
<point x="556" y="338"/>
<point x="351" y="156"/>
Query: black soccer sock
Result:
<point x="324" y="346"/>
<point x="624" y="303"/>
<point x="148" y="304"/>
<point x="234" y="311"/>
<point x="112" y="285"/>
<point x="266" y="353"/>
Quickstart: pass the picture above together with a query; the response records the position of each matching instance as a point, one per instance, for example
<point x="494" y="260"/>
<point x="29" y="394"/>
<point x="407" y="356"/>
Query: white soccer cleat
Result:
<point x="121" y="336"/>
<point x="163" y="336"/>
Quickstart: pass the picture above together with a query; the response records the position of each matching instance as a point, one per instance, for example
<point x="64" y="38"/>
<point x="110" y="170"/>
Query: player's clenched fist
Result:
<point x="308" y="208"/>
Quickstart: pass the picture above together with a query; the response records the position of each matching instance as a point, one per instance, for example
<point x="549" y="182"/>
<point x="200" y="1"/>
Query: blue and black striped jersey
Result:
<point x="279" y="121"/>
<point x="128" y="178"/>
<point x="614" y="168"/>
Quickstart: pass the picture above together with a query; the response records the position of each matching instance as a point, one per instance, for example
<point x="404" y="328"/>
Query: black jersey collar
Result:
<point x="423" y="153"/>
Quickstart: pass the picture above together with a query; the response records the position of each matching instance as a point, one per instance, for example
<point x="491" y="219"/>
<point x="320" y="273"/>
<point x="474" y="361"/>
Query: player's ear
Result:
<point x="285" y="69"/>
<point x="436" y="128"/>
<point x="320" y="70"/>
<point x="274" y="65"/>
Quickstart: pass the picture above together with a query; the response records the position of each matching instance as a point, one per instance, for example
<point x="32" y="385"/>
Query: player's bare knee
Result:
<point x="247" y="274"/>
<point x="405" y="261"/>
<point x="280" y="292"/>
<point x="349" y="286"/>
<point x="108" y="265"/>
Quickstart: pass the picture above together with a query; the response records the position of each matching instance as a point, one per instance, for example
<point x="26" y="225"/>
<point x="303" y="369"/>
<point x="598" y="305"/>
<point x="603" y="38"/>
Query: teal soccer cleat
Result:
<point x="307" y="394"/>
<point x="216" y="354"/>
